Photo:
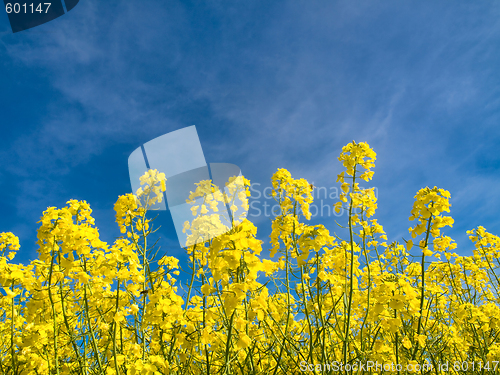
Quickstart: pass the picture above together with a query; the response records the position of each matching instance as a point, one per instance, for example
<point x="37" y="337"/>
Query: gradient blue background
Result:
<point x="269" y="84"/>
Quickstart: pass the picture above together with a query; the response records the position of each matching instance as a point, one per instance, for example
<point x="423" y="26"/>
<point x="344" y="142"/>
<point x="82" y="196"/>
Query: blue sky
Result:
<point x="268" y="84"/>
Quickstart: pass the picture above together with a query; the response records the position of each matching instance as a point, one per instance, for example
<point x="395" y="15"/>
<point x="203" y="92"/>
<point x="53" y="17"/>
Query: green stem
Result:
<point x="228" y="344"/>
<point x="287" y="266"/>
<point x="89" y="322"/>
<point x="414" y="354"/>
<point x="117" y="370"/>
<point x="351" y="272"/>
<point x="66" y="323"/>
<point x="13" y="353"/>
<point x="52" y="304"/>
<point x="193" y="260"/>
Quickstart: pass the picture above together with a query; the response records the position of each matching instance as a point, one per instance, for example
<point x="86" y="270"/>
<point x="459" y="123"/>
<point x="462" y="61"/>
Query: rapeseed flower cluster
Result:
<point x="88" y="307"/>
